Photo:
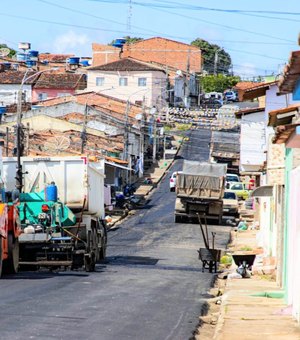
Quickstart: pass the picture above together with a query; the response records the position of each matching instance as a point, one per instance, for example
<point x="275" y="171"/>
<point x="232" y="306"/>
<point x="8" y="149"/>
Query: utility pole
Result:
<point x="83" y="132"/>
<point x="154" y="137"/>
<point x="126" y="137"/>
<point x="19" y="175"/>
<point x="216" y="61"/>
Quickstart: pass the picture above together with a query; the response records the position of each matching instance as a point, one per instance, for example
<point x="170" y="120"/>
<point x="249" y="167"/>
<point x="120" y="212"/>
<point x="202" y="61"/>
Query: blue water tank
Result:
<point x="21" y="56"/>
<point x="51" y="192"/>
<point x="30" y="63"/>
<point x="73" y="60"/>
<point x="7" y="66"/>
<point x="33" y="53"/>
<point x="2" y="109"/>
<point x="85" y="63"/>
<point x="119" y="42"/>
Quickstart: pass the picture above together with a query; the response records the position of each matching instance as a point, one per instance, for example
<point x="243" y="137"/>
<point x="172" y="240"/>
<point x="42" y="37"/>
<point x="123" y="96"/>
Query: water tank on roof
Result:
<point x="2" y="110"/>
<point x="21" y="56"/>
<point x="24" y="46"/>
<point x="119" y="42"/>
<point x="7" y="66"/>
<point x="85" y="63"/>
<point x="73" y="60"/>
<point x="33" y="53"/>
<point x="30" y="63"/>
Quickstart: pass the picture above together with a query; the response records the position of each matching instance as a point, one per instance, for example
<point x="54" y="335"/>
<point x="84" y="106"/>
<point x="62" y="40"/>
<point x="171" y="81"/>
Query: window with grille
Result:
<point x="123" y="81"/>
<point x="100" y="81"/>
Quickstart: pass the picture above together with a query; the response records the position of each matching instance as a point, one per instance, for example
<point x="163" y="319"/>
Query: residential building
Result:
<point x="54" y="85"/>
<point x="129" y="80"/>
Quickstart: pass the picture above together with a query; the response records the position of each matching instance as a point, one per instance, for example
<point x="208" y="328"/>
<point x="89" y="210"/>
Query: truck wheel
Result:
<point x="11" y="265"/>
<point x="102" y="253"/>
<point x="220" y="220"/>
<point x="178" y="219"/>
<point x="89" y="263"/>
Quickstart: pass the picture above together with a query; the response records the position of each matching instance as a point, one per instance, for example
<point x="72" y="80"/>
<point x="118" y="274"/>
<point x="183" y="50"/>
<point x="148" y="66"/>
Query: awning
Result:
<point x="117" y="166"/>
<point x="263" y="191"/>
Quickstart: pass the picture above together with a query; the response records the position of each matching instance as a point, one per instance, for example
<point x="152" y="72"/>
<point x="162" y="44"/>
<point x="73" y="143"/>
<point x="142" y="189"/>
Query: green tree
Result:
<point x="129" y="40"/>
<point x="12" y="52"/>
<point x="209" y="54"/>
<point x="218" y="83"/>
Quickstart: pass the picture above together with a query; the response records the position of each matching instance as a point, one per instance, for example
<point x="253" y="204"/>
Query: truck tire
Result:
<point x="220" y="220"/>
<point x="178" y="219"/>
<point x="11" y="265"/>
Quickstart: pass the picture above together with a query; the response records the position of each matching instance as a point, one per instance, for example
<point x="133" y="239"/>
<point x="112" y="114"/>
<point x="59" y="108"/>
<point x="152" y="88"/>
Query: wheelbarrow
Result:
<point x="209" y="258"/>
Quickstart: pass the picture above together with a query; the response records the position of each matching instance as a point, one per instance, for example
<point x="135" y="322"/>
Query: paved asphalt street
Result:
<point x="151" y="286"/>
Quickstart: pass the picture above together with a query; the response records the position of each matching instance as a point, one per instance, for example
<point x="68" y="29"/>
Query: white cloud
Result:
<point x="245" y="70"/>
<point x="71" y="42"/>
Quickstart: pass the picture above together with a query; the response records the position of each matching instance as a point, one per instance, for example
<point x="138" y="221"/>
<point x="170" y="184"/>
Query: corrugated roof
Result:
<point x="291" y="74"/>
<point x="126" y="64"/>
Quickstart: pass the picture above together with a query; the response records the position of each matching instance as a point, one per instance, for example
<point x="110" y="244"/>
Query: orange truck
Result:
<point x="9" y="238"/>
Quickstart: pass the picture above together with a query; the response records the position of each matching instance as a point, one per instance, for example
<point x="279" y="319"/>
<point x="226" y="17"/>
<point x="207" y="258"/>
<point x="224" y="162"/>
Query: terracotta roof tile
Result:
<point x="61" y="80"/>
<point x="126" y="64"/>
<point x="16" y="77"/>
<point x="291" y="74"/>
<point x="56" y="58"/>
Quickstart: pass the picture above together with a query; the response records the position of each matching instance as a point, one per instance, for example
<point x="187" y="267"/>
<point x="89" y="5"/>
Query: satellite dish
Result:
<point x="4" y="51"/>
<point x="57" y="144"/>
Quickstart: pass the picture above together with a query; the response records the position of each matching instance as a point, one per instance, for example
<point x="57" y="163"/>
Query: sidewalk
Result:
<point x="253" y="308"/>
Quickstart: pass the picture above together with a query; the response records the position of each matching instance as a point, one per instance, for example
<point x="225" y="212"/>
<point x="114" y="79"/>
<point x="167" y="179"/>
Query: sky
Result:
<point x="259" y="35"/>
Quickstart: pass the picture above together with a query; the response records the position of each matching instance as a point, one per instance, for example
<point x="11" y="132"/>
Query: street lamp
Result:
<point x="19" y="174"/>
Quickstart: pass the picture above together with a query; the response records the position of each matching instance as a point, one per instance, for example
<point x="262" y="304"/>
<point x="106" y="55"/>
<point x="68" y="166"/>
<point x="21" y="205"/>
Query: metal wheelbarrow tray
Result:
<point x="209" y="258"/>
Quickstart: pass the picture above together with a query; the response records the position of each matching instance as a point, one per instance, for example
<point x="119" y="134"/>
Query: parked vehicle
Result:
<point x="173" y="180"/>
<point x="230" y="96"/>
<point x="61" y="211"/>
<point x="231" y="178"/>
<point x="240" y="189"/>
<point x="200" y="189"/>
<point x="230" y="203"/>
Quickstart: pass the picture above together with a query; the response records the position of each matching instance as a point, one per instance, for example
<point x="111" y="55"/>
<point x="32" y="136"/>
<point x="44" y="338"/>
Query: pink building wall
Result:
<point x="51" y="93"/>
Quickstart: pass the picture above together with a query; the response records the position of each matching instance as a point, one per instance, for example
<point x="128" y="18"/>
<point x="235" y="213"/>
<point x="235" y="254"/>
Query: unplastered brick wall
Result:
<point x="104" y="54"/>
<point x="160" y="50"/>
<point x="165" y="51"/>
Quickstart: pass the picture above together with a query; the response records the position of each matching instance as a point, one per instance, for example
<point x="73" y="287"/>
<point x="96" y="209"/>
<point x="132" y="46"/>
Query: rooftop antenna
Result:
<point x="129" y="16"/>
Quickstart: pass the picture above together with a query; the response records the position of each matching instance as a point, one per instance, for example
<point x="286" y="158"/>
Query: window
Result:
<point x="42" y="96"/>
<point x="100" y="81"/>
<point x="63" y="94"/>
<point x="237" y="187"/>
<point x="123" y="81"/>
<point x="142" y="82"/>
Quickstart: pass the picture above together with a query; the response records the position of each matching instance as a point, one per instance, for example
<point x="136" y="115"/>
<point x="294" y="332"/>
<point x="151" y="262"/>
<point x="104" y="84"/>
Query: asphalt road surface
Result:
<point x="151" y="286"/>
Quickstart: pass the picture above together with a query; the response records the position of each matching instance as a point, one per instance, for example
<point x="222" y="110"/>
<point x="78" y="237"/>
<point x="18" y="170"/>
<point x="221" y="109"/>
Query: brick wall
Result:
<point x="104" y="54"/>
<point x="160" y="50"/>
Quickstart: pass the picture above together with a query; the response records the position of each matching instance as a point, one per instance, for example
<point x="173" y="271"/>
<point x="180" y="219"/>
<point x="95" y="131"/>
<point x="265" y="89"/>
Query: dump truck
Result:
<point x="199" y="189"/>
<point x="61" y="211"/>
